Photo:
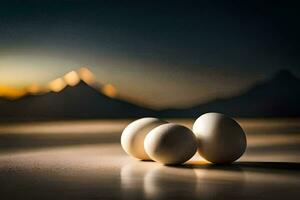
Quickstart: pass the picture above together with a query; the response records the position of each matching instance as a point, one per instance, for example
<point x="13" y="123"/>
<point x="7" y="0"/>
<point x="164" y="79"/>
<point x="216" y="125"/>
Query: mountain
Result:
<point x="80" y="101"/>
<point x="276" y="97"/>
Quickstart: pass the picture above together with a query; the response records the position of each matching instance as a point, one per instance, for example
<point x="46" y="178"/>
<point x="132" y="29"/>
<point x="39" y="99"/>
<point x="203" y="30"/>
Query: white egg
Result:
<point x="170" y="144"/>
<point x="132" y="138"/>
<point x="220" y="138"/>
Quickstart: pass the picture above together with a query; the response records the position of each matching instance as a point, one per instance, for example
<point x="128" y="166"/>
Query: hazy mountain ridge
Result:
<point x="278" y="96"/>
<point x="275" y="97"/>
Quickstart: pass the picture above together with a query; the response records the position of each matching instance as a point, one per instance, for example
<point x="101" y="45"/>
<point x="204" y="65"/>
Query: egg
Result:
<point x="170" y="144"/>
<point x="220" y="138"/>
<point x="132" y="138"/>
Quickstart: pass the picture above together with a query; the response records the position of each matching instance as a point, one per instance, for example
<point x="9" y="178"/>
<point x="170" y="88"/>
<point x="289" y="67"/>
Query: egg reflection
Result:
<point x="132" y="179"/>
<point x="220" y="182"/>
<point x="164" y="182"/>
<point x="195" y="180"/>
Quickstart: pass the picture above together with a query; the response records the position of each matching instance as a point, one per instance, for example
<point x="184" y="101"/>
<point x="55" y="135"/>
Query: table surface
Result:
<point x="84" y="160"/>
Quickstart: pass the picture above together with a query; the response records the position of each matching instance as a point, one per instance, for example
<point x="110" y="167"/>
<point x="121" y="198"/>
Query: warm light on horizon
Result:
<point x="109" y="90"/>
<point x="71" y="78"/>
<point x="86" y="75"/>
<point x="11" y="92"/>
<point x="57" y="85"/>
<point x="36" y="89"/>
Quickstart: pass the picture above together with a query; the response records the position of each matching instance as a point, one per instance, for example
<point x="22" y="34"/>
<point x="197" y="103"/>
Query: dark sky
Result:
<point x="164" y="54"/>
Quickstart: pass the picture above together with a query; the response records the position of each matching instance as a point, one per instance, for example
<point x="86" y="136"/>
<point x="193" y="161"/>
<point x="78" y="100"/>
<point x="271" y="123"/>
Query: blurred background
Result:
<point x="106" y="59"/>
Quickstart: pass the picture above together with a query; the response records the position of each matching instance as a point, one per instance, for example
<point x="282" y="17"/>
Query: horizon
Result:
<point x="84" y="74"/>
<point x="75" y="77"/>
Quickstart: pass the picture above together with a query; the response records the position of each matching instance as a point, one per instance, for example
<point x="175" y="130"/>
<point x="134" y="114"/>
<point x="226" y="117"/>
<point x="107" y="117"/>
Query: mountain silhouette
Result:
<point x="276" y="97"/>
<point x="80" y="101"/>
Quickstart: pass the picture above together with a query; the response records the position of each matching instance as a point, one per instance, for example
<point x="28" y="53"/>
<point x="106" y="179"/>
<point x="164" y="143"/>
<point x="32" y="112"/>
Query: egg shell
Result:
<point x="132" y="138"/>
<point x="170" y="144"/>
<point x="220" y="138"/>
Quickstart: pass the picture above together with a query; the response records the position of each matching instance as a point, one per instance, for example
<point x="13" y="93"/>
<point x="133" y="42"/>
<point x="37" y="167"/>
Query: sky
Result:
<point x="167" y="54"/>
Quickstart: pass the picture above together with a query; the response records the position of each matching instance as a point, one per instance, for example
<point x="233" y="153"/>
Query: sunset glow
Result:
<point x="86" y="75"/>
<point x="11" y="92"/>
<point x="36" y="89"/>
<point x="71" y="78"/>
<point x="109" y="90"/>
<point x="57" y="85"/>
